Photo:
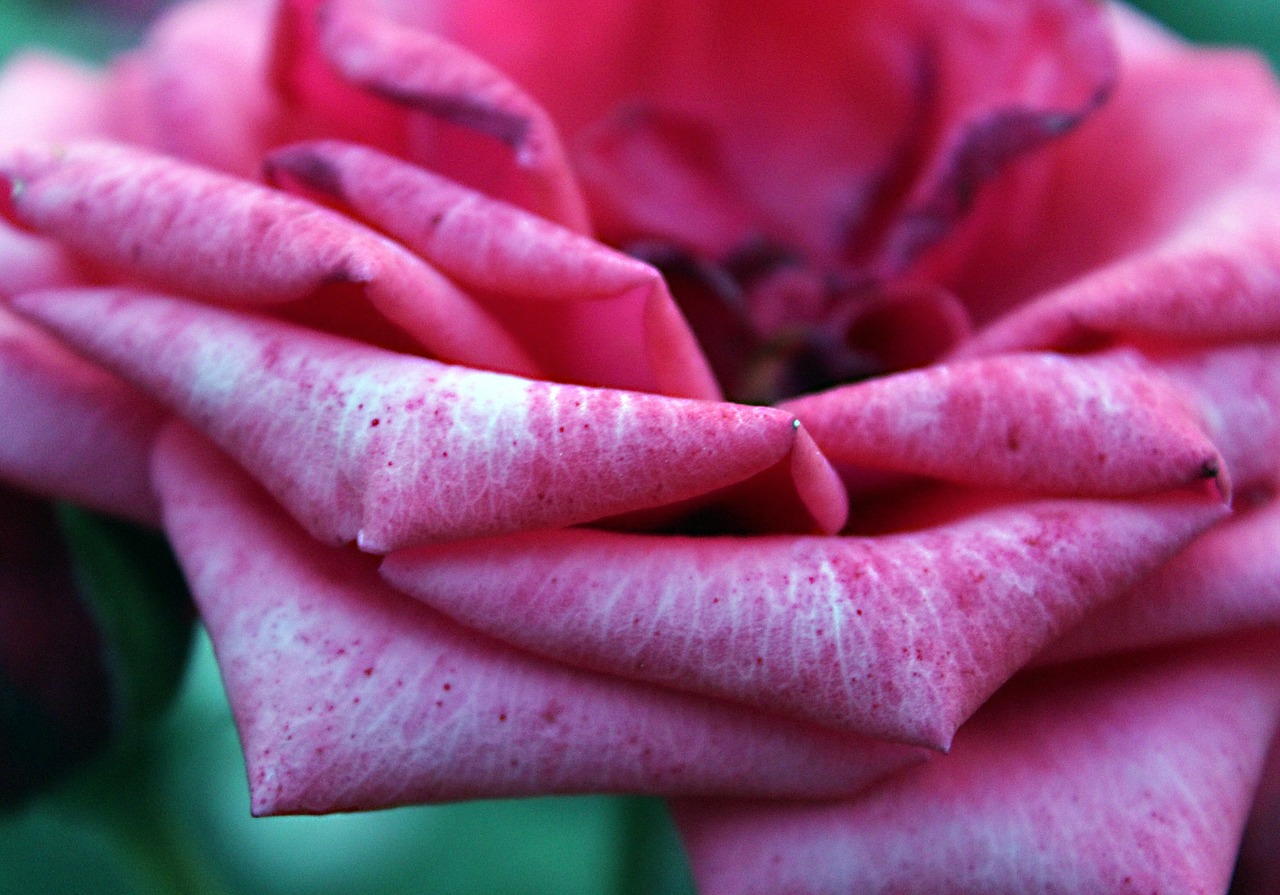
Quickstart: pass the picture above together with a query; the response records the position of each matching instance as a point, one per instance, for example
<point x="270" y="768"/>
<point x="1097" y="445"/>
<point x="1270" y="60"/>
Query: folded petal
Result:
<point x="1032" y="422"/>
<point x="435" y="102"/>
<point x="900" y="636"/>
<point x="557" y="288"/>
<point x="72" y="430"/>
<point x="348" y="695"/>
<point x="1226" y="580"/>
<point x="185" y="228"/>
<point x="391" y="450"/>
<point x="1138" y="781"/>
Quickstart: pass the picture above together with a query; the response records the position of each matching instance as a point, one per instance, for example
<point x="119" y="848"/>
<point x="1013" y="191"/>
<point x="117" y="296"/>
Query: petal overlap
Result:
<point x="347" y="695"/>
<point x="899" y="636"/>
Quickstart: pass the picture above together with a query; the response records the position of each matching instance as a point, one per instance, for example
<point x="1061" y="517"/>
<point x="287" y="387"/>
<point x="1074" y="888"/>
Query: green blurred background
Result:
<point x="173" y="814"/>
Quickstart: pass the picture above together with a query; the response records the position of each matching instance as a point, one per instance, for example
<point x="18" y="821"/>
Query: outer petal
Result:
<point x="433" y="101"/>
<point x="580" y="288"/>
<point x="197" y="88"/>
<point x="348" y="695"/>
<point x="185" y="228"/>
<point x="70" y="429"/>
<point x="1258" y="871"/>
<point x="1039" y="423"/>
<point x="1120" y="232"/>
<point x="899" y="637"/>
<point x="1227" y="580"/>
<point x="392" y="450"/>
<point x="1139" y="781"/>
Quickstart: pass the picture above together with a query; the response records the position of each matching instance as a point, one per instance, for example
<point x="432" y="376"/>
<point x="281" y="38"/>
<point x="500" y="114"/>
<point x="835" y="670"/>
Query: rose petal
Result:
<point x="342" y="55"/>
<point x="186" y="228"/>
<point x="1227" y="580"/>
<point x="392" y="450"/>
<point x="811" y="139"/>
<point x="1258" y="870"/>
<point x="43" y="97"/>
<point x="67" y="421"/>
<point x="1237" y="392"/>
<point x="348" y="695"/>
<point x="900" y="637"/>
<point x="195" y="89"/>
<point x="1120" y="232"/>
<point x="1039" y="423"/>
<point x="581" y="288"/>
<point x="1138" y="781"/>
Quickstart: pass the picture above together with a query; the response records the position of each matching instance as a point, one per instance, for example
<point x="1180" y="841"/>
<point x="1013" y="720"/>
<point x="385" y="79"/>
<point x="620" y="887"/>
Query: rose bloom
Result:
<point x="857" y="422"/>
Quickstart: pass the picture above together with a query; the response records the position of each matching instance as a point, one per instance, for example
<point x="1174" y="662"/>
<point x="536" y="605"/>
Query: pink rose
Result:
<point x="436" y="336"/>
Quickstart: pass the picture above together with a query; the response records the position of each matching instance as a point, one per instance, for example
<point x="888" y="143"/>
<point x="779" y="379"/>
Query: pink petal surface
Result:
<point x="392" y="450"/>
<point x="43" y="97"/>
<point x="348" y="695"/>
<point x="1226" y="580"/>
<point x="899" y="636"/>
<point x="185" y="228"/>
<point x="196" y="89"/>
<point x="72" y="430"/>
<point x="1034" y="422"/>
<point x="578" y="287"/>
<point x="434" y="102"/>
<point x="1119" y="231"/>
<point x="803" y="110"/>
<point x="1138" y="781"/>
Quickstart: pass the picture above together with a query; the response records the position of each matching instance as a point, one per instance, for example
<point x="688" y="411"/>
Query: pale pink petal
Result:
<point x="226" y="240"/>
<point x="1033" y="422"/>
<point x="1133" y="781"/>
<point x="72" y="430"/>
<point x="442" y="106"/>
<point x="1227" y="580"/>
<point x="556" y="288"/>
<point x="43" y="97"/>
<point x="1120" y="231"/>
<point x="348" y="695"/>
<point x="197" y="89"/>
<point x="392" y="450"/>
<point x="900" y="637"/>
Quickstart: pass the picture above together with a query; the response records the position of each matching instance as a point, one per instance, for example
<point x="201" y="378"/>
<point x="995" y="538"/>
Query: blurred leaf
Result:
<point x="137" y="593"/>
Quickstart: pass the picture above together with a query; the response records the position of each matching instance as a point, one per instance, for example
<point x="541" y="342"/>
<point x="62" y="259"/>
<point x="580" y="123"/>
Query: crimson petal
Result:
<point x="900" y="637"/>
<point x="348" y="695"/>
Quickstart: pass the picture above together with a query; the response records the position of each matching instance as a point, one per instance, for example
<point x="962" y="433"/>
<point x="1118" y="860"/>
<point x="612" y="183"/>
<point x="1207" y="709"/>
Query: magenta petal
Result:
<point x="71" y="430"/>
<point x="46" y="98"/>
<point x="348" y="695"/>
<point x="392" y="450"/>
<point x="1137" y="782"/>
<point x="188" y="229"/>
<point x="1258" y="870"/>
<point x="1040" y="423"/>
<point x="900" y="637"/>
<point x="1226" y="580"/>
<point x="347" y="54"/>
<point x="579" y="288"/>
